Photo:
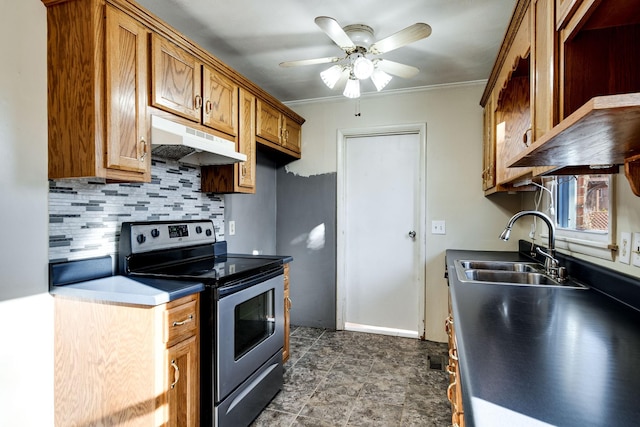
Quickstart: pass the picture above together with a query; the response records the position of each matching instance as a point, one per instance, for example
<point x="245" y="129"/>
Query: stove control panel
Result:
<point x="151" y="236"/>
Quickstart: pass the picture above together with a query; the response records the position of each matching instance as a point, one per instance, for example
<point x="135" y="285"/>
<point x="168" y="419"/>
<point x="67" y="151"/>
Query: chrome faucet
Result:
<point x="551" y="265"/>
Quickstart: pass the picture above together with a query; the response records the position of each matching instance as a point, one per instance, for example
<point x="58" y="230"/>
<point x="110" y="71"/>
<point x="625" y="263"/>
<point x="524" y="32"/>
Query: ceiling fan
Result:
<point x="360" y="55"/>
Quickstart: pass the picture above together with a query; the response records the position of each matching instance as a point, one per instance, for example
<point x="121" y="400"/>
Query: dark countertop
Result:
<point x="539" y="356"/>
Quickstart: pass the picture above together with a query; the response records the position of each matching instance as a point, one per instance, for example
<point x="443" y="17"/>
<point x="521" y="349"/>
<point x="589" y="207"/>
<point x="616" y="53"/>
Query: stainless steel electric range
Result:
<point x="242" y="313"/>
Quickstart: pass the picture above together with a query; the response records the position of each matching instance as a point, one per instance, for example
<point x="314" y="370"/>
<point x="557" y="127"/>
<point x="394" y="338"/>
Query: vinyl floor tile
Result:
<point x="341" y="378"/>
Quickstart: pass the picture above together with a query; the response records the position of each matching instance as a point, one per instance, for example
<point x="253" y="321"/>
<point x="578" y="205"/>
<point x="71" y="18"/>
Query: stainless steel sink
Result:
<point x="508" y="273"/>
<point x="502" y="265"/>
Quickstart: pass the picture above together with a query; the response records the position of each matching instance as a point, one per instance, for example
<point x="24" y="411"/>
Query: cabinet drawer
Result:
<point x="180" y="322"/>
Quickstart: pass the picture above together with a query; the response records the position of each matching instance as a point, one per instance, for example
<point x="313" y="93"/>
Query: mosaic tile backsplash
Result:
<point x="85" y="215"/>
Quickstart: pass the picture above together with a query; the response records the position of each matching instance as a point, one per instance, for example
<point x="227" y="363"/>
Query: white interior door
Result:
<point x="381" y="211"/>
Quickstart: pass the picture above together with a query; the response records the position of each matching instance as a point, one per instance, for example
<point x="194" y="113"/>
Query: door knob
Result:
<point x="412" y="234"/>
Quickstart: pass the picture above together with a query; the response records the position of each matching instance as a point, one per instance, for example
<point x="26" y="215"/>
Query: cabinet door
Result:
<point x="287" y="319"/>
<point x="183" y="384"/>
<point x="220" y="102"/>
<point x="489" y="147"/>
<point x="268" y="122"/>
<point x="292" y="135"/>
<point x="127" y="143"/>
<point x="176" y="80"/>
<point x="246" y="171"/>
<point x="543" y="53"/>
<point x="564" y="11"/>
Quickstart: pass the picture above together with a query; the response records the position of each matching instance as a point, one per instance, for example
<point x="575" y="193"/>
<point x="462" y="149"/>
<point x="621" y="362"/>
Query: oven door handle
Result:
<point x="242" y="284"/>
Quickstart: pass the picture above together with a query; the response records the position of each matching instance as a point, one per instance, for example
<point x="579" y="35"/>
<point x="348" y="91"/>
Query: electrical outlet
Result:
<point x="625" y="247"/>
<point x="635" y="250"/>
<point x="438" y="227"/>
<point x="232" y="228"/>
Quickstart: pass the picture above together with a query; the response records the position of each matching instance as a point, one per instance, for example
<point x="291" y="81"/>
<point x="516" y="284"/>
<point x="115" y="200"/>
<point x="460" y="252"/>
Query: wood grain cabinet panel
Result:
<point x="220" y="97"/>
<point x="126" y="46"/>
<point x="292" y="137"/>
<point x="239" y="177"/>
<point x="176" y="84"/>
<point x="97" y="92"/>
<point x="116" y="364"/>
<point x="287" y="315"/>
<point x="268" y="122"/>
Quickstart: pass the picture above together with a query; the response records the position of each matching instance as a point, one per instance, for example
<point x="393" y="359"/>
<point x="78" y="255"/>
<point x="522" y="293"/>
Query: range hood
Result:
<point x="174" y="141"/>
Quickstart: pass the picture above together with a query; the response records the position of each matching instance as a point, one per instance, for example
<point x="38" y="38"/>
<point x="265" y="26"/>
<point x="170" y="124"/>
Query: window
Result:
<point x="583" y="213"/>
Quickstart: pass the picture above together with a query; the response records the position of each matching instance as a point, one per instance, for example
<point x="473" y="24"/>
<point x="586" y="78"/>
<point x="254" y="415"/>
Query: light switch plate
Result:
<point x="232" y="228"/>
<point x="438" y="227"/>
<point x="625" y="247"/>
<point x="635" y="250"/>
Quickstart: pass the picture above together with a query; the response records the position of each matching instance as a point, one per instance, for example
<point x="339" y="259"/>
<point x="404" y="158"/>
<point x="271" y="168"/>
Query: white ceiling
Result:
<point x="254" y="36"/>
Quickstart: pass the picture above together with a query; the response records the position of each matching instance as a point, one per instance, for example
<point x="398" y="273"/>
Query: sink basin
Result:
<point x="508" y="273"/>
<point x="509" y="277"/>
<point x="501" y="265"/>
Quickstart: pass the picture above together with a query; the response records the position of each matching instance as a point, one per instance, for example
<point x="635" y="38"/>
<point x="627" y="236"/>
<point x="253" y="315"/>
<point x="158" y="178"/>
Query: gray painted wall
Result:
<point x="304" y="203"/>
<point x="254" y="214"/>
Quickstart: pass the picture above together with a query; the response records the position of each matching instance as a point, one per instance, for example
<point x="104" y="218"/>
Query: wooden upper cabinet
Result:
<point x="126" y="45"/>
<point x="564" y="11"/>
<point x="269" y="123"/>
<point x="489" y="147"/>
<point x="97" y="92"/>
<point x="246" y="174"/>
<point x="292" y="136"/>
<point x="176" y="79"/>
<point x="220" y="97"/>
<point x="239" y="177"/>
<point x="274" y="127"/>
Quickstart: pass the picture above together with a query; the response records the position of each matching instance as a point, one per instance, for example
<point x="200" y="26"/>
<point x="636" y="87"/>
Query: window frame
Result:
<point x="596" y="243"/>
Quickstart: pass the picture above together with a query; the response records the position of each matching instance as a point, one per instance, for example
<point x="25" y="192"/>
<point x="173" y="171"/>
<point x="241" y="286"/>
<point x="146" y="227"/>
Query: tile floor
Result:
<point x="340" y="378"/>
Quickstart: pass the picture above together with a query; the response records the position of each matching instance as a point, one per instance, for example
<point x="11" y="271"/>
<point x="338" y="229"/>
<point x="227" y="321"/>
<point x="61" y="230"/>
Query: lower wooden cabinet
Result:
<point x="454" y="390"/>
<point x="131" y="365"/>
<point x="287" y="319"/>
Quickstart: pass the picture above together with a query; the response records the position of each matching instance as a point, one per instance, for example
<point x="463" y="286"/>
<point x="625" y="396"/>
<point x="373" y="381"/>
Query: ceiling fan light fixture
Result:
<point x="352" y="89"/>
<point x="331" y="76"/>
<point x="380" y="79"/>
<point x="362" y="68"/>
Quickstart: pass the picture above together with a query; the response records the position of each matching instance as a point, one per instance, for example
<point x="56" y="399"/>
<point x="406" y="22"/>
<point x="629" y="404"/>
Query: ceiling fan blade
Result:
<point x="335" y="32"/>
<point x="410" y="34"/>
<point x="397" y="69"/>
<point x="310" y="61"/>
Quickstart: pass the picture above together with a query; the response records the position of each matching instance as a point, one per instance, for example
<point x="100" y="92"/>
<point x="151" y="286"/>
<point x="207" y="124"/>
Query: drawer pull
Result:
<point x="182" y="322"/>
<point x="176" y="373"/>
<point x="453" y="354"/>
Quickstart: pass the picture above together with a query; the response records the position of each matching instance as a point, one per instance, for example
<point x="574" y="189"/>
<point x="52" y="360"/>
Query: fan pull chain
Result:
<point x="357" y="113"/>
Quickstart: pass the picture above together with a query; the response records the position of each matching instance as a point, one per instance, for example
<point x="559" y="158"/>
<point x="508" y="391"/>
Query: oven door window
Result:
<point x="254" y="322"/>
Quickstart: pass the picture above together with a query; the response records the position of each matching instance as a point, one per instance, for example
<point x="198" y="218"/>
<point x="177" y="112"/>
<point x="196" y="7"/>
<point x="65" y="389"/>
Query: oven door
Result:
<point x="249" y="329"/>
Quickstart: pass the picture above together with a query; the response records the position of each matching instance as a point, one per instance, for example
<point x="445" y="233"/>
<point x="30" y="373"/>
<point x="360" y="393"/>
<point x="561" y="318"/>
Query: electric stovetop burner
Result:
<point x="184" y="250"/>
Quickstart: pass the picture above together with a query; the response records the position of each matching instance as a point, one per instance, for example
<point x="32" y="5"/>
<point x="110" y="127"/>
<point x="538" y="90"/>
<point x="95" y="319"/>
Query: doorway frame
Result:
<point x="342" y="135"/>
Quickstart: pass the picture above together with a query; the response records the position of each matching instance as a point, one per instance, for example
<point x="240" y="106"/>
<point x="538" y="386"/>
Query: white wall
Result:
<point x="26" y="309"/>
<point x="453" y="173"/>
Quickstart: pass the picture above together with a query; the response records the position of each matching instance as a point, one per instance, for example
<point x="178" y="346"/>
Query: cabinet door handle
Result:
<point x="207" y="107"/>
<point x="144" y="148"/>
<point x="289" y="303"/>
<point x="198" y="102"/>
<point x="176" y="373"/>
<point x="244" y="170"/>
<point x="453" y="354"/>
<point x="182" y="322"/>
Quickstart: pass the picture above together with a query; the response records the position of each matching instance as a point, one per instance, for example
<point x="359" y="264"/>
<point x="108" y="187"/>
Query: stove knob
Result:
<point x="155" y="233"/>
<point x="208" y="232"/>
<point x="198" y="229"/>
<point x="140" y="238"/>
